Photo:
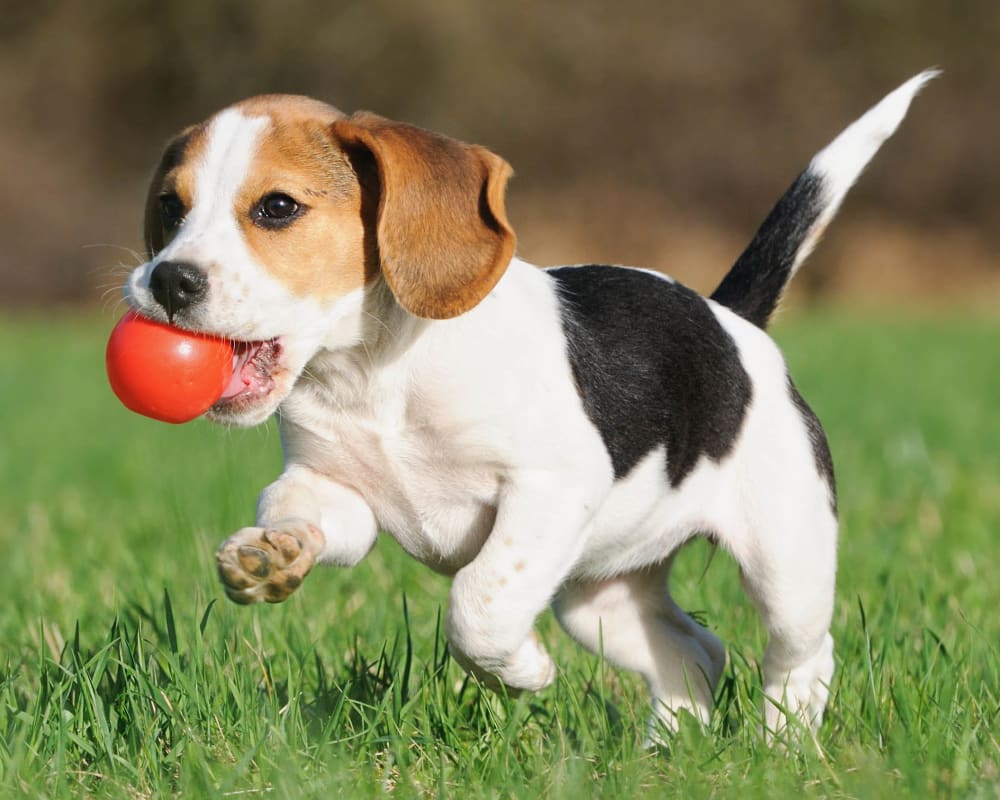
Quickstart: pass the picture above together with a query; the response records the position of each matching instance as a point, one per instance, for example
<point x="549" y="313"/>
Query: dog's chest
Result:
<point x="426" y="489"/>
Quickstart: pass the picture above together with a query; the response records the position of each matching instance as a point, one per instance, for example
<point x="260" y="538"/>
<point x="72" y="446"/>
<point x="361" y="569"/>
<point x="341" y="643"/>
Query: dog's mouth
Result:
<point x="254" y="368"/>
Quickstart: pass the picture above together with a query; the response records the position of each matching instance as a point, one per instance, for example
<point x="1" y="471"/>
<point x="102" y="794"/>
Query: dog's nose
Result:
<point x="176" y="285"/>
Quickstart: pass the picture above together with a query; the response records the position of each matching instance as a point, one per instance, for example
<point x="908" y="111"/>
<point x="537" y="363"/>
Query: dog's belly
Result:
<point x="644" y="520"/>
<point x="437" y="524"/>
<point x="441" y="508"/>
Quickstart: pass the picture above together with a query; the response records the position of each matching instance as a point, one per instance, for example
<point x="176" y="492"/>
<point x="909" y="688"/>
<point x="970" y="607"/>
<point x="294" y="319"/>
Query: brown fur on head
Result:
<point x="380" y="197"/>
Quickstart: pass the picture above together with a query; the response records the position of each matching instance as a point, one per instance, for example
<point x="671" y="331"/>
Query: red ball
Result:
<point x="164" y="372"/>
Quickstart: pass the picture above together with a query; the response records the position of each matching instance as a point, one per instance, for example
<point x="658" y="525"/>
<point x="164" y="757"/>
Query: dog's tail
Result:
<point x="755" y="284"/>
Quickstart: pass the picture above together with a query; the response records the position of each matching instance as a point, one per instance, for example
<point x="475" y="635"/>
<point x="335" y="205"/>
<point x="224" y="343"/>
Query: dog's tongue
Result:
<point x="245" y="372"/>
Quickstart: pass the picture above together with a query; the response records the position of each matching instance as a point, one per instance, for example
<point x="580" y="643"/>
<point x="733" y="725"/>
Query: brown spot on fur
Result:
<point x="325" y="253"/>
<point x="508" y="541"/>
<point x="519" y="566"/>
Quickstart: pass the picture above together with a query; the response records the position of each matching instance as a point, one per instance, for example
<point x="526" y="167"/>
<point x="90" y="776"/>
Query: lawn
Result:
<point x="124" y="671"/>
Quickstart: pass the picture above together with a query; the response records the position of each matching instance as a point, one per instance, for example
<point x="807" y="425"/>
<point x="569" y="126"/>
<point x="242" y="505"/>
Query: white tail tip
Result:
<point x="842" y="161"/>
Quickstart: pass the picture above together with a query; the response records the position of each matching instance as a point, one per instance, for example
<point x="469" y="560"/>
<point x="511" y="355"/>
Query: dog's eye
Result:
<point x="171" y="211"/>
<point x="276" y="210"/>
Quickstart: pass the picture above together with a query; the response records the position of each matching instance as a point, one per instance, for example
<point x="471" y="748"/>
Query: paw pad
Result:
<point x="266" y="564"/>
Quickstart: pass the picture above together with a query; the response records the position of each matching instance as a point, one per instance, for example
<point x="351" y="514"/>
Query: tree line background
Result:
<point x="641" y="132"/>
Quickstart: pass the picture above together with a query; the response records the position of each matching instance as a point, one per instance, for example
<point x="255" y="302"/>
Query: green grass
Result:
<point x="124" y="672"/>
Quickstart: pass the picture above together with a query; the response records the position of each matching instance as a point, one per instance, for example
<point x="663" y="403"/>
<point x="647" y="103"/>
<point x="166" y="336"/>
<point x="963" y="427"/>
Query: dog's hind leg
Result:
<point x="635" y="623"/>
<point x="788" y="570"/>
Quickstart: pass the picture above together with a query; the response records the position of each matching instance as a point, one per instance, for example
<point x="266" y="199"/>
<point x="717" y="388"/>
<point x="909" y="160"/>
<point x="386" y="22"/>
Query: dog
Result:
<point x="543" y="436"/>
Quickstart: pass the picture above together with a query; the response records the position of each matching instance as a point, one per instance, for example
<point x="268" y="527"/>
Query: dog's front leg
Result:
<point x="495" y="599"/>
<point x="302" y="518"/>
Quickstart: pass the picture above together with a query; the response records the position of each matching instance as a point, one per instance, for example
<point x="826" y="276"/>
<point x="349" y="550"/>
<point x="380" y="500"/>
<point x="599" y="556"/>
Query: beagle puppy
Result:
<point x="543" y="436"/>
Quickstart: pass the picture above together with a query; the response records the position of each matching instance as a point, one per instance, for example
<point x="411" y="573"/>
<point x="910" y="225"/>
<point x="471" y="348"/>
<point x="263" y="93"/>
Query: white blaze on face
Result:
<point x="210" y="237"/>
<point x="222" y="170"/>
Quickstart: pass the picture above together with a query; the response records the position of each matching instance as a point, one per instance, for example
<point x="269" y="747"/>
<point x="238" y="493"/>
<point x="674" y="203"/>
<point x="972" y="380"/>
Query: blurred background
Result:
<point x="652" y="133"/>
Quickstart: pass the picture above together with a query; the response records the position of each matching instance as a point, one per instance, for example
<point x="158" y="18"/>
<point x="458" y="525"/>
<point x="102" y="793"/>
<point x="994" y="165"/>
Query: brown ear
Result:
<point x="442" y="231"/>
<point x="173" y="153"/>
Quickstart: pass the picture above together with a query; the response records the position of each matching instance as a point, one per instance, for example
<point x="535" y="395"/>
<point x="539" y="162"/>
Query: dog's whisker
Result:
<point x="136" y="255"/>
<point x="111" y="276"/>
<point x="108" y="288"/>
<point x="117" y="271"/>
<point x="368" y="355"/>
<point x="110" y="300"/>
<point x="384" y="326"/>
<point x="311" y="375"/>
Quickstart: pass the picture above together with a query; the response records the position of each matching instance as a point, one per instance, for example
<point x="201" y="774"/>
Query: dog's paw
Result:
<point x="802" y="692"/>
<point x="267" y="563"/>
<point x="531" y="668"/>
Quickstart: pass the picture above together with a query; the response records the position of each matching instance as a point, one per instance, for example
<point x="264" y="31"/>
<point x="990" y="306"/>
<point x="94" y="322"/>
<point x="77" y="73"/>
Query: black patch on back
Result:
<point x="653" y="367"/>
<point x="753" y="287"/>
<point x="821" y="449"/>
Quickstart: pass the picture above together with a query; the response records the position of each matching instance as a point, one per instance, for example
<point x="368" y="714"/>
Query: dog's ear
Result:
<point x="442" y="231"/>
<point x="152" y="220"/>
